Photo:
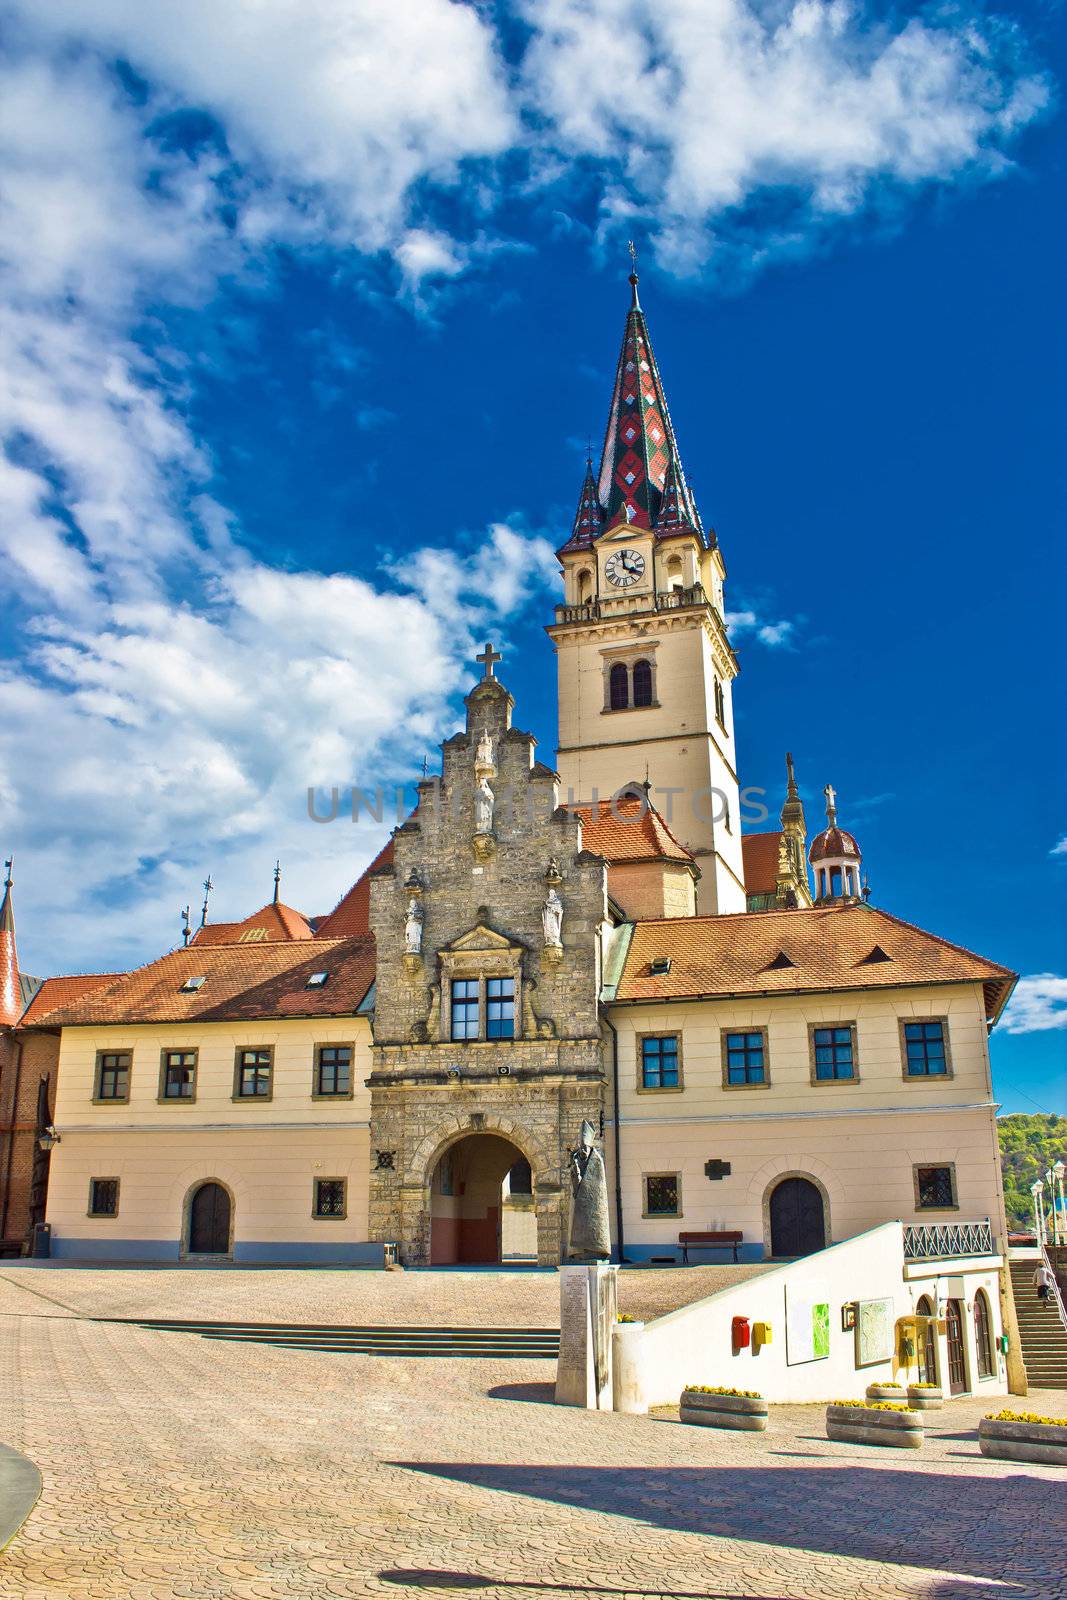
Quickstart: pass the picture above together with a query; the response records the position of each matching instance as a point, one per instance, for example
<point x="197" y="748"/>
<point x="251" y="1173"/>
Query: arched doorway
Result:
<point x="209" y="1221"/>
<point x="481" y="1204"/>
<point x="798" y="1223"/>
<point x="927" y="1352"/>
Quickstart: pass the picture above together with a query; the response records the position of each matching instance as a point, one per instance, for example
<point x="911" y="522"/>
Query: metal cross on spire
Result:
<point x="277" y="880"/>
<point x="488" y="658"/>
<point x="208" y="886"/>
<point x="633" y="272"/>
<point x="831" y="804"/>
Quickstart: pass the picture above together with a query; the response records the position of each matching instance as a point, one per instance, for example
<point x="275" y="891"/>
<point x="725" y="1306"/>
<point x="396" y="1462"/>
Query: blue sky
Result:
<point x="302" y="353"/>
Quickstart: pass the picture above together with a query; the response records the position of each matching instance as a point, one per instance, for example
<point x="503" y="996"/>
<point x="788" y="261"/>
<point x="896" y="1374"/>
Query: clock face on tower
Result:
<point x="625" y="568"/>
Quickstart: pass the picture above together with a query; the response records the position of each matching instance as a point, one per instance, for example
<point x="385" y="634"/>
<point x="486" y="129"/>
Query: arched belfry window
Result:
<point x="585" y="586"/>
<point x="642" y="683"/>
<point x="619" y="687"/>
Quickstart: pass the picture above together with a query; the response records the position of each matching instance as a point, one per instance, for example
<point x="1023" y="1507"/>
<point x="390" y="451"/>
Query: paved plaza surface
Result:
<point x="178" y="1468"/>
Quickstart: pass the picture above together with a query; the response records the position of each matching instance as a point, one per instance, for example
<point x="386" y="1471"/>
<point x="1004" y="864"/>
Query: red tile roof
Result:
<point x="722" y="956"/>
<point x="629" y="829"/>
<point x="242" y="981"/>
<point x="57" y="993"/>
<point x="759" y="853"/>
<point x="350" y="917"/>
<point x="271" y="922"/>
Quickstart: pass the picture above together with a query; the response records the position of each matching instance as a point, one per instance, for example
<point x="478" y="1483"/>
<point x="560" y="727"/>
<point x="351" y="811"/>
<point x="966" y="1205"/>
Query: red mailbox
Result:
<point x="742" y="1333"/>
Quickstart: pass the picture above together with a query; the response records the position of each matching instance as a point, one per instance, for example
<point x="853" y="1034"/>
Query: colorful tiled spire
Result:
<point x="10" y="999"/>
<point x="589" y="517"/>
<point x="639" y="446"/>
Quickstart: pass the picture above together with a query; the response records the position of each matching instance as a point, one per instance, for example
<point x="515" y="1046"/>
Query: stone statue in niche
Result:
<point x="552" y="920"/>
<point x="590" y="1237"/>
<point x="484" y="800"/>
<point x="413" y="928"/>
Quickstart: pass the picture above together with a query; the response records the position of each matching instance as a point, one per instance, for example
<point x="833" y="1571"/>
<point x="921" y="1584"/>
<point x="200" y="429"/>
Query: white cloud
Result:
<point x="775" y="635"/>
<point x="1038" y="1003"/>
<point x="690" y="112"/>
<point x="1059" y="849"/>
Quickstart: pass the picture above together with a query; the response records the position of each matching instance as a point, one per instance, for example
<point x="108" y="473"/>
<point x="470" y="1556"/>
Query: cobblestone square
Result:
<point x="177" y="1468"/>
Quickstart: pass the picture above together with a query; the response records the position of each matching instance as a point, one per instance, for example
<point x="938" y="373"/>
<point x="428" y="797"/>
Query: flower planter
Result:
<point x="925" y="1399"/>
<point x="1024" y="1441"/>
<point x="887" y="1391"/>
<point x="900" y="1430"/>
<point x="737" y="1411"/>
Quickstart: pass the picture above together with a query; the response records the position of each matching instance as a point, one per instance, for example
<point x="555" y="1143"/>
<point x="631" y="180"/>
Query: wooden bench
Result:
<point x="709" y="1241"/>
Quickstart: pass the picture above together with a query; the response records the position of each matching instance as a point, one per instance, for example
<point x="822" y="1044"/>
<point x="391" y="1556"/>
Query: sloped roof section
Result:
<point x="273" y="921"/>
<point x="738" y="955"/>
<point x="350" y="917"/>
<point x="241" y="982"/>
<point x="759" y="854"/>
<point x="55" y="994"/>
<point x="629" y="829"/>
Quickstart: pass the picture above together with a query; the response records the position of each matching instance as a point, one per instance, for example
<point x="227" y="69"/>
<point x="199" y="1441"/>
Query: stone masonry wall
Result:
<point x="481" y="900"/>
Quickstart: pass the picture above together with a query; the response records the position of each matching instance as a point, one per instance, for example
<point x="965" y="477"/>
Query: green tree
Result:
<point x="1029" y="1145"/>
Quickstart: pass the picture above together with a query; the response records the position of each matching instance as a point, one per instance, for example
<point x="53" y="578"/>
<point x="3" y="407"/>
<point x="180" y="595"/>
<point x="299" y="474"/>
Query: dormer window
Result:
<point x="191" y="985"/>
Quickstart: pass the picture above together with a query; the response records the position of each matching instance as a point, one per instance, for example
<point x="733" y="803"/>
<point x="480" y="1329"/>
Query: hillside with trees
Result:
<point x="1029" y="1145"/>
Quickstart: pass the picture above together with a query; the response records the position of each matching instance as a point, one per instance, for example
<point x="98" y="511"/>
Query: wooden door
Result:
<point x="797" y="1224"/>
<point x="209" y="1221"/>
<point x="957" y="1361"/>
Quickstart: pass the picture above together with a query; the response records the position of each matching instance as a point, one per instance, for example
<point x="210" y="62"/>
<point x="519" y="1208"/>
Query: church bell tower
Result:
<point x="645" y="667"/>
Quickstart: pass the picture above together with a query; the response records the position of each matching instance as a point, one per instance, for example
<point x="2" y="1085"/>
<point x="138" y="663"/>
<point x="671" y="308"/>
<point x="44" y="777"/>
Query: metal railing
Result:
<point x="1057" y="1292"/>
<point x="941" y="1241"/>
<point x="615" y="605"/>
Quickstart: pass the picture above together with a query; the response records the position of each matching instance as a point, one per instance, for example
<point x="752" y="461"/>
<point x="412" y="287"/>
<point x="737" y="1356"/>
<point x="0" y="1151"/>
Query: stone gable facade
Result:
<point x="472" y="899"/>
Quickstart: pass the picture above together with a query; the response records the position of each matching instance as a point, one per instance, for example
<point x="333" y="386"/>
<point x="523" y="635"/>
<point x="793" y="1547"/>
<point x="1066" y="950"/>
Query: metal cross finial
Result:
<point x="277" y="879"/>
<point x="831" y="803"/>
<point x="635" y="303"/>
<point x="208" y="886"/>
<point x="489" y="657"/>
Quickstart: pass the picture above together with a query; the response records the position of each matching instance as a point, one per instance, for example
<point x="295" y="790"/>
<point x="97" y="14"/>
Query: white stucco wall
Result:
<point x="694" y="1344"/>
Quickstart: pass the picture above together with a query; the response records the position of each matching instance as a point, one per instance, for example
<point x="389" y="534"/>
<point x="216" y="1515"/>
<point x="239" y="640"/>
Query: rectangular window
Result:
<point x="935" y="1189"/>
<point x="333" y="1069"/>
<point x="745" y="1057"/>
<point x="103" y="1197"/>
<point x="500" y="1008"/>
<point x="925" y="1053"/>
<point x="178" y="1075"/>
<point x="330" y="1197"/>
<point x="661" y="1194"/>
<point x="659" y="1062"/>
<point x="464" y="1008"/>
<point x="833" y="1052"/>
<point x="720" y="705"/>
<point x="253" y="1075"/>
<point x="113" y="1075"/>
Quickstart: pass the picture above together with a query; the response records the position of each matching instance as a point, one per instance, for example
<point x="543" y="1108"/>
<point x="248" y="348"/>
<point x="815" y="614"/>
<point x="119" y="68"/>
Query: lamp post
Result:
<point x="1037" y="1190"/>
<point x="1059" y="1216"/>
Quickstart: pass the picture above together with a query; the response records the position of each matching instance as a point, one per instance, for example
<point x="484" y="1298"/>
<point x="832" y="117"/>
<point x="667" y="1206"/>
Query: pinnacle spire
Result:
<point x="589" y="517"/>
<point x="639" y="445"/>
<point x="673" y="512"/>
<point x="10" y="996"/>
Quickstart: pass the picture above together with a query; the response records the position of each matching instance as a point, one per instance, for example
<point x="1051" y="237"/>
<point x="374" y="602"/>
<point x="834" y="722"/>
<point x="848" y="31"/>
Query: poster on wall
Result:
<point x="807" y="1322"/>
<point x="874" y="1332"/>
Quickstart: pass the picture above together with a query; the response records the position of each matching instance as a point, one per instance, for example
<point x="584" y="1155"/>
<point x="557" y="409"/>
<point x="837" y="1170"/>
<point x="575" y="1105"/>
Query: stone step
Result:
<point x="494" y="1343"/>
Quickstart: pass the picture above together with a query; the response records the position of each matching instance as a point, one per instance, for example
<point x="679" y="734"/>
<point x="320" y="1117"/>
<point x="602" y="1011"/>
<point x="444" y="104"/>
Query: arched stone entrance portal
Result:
<point x="481" y="1203"/>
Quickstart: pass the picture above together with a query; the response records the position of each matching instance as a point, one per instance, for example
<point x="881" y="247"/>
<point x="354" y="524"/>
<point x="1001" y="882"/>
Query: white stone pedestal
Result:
<point x="588" y="1296"/>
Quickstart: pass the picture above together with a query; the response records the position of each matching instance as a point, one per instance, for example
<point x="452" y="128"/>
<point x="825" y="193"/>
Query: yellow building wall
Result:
<point x="266" y="1152"/>
<point x="859" y="1140"/>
